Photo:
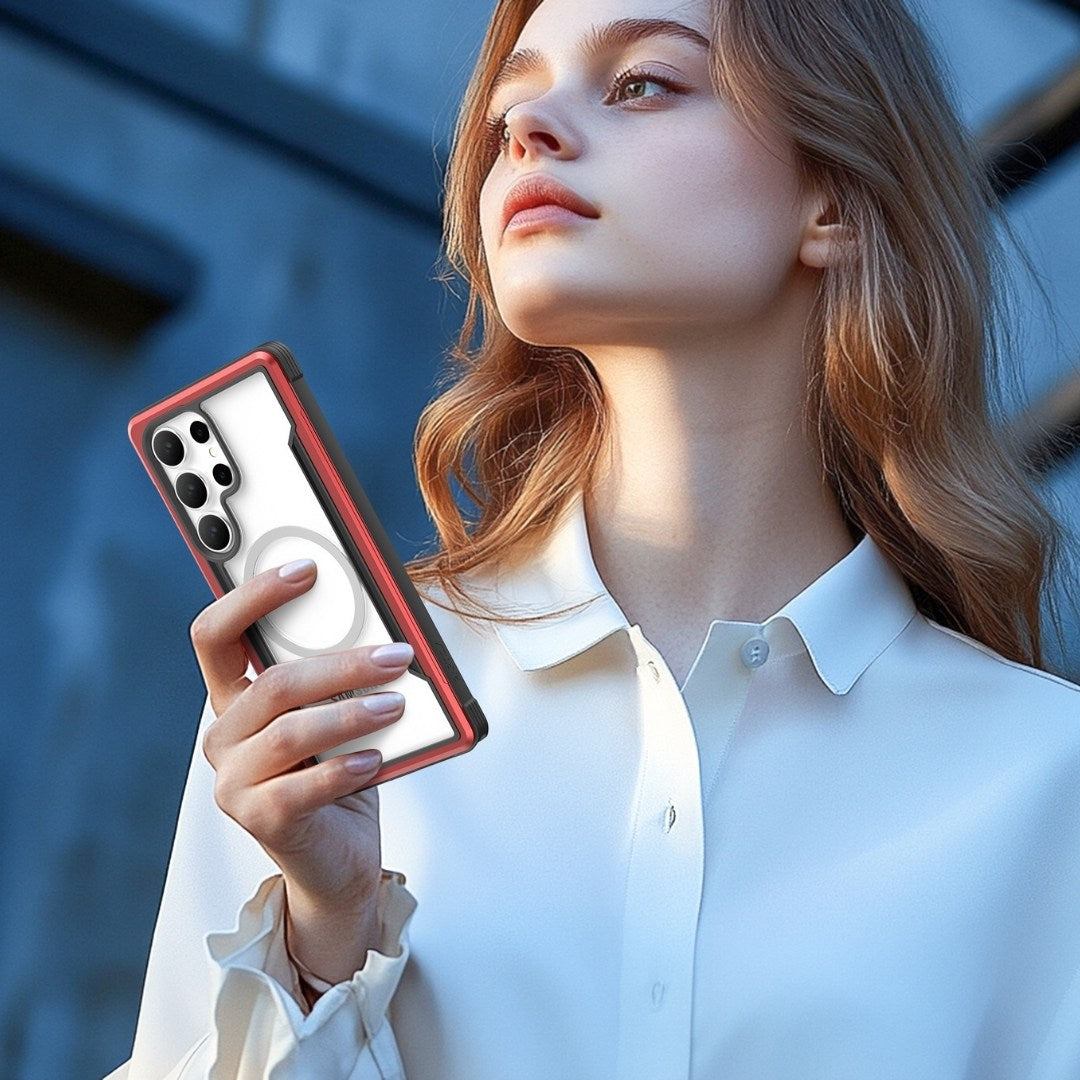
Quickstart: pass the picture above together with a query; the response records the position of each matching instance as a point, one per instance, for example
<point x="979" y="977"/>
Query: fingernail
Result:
<point x="383" y="704"/>
<point x="366" y="761"/>
<point x="396" y="654"/>
<point x="297" y="570"/>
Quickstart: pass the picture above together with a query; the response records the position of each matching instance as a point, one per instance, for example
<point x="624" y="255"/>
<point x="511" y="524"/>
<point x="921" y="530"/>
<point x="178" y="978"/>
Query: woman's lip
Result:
<point x="538" y="200"/>
<point x="536" y="217"/>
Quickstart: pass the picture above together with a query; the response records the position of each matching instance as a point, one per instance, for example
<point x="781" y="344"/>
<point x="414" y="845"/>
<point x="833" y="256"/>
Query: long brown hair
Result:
<point x="902" y="348"/>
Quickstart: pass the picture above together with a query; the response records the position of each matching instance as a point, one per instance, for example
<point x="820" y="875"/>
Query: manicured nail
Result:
<point x="383" y="704"/>
<point x="395" y="655"/>
<point x="297" y="570"/>
<point x="367" y="761"/>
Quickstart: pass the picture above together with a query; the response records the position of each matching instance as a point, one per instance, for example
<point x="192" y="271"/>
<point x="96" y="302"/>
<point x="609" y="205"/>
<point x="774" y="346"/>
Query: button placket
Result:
<point x="666" y="860"/>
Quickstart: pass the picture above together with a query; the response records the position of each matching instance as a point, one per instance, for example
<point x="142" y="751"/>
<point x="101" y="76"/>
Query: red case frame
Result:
<point x="357" y="526"/>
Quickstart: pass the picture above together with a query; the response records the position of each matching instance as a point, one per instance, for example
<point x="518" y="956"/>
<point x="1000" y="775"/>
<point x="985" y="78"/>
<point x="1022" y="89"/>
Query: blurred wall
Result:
<point x="154" y="225"/>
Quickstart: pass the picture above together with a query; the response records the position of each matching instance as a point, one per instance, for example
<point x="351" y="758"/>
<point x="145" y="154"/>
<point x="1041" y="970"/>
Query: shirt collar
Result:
<point x="850" y="615"/>
<point x="560" y="605"/>
<point x="845" y="619"/>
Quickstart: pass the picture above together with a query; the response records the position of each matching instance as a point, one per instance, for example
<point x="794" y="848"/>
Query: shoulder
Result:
<point x="968" y="670"/>
<point x="962" y="711"/>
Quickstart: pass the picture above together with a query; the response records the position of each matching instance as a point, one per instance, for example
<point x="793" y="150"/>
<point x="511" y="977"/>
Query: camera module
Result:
<point x="168" y="447"/>
<point x="223" y="475"/>
<point x="190" y="490"/>
<point x="200" y="432"/>
<point x="214" y="532"/>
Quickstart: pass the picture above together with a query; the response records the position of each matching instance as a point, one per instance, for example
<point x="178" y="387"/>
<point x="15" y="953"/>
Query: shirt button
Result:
<point x="669" y="817"/>
<point x="658" y="994"/>
<point x="654" y="671"/>
<point x="755" y="652"/>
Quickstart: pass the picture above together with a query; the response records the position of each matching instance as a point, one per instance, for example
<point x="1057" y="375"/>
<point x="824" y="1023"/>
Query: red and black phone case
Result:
<point x="254" y="478"/>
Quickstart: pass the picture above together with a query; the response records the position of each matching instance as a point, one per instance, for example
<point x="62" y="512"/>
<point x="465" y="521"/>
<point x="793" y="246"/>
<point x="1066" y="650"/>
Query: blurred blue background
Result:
<point x="181" y="180"/>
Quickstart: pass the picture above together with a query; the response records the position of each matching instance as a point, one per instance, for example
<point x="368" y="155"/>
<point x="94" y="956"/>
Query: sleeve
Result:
<point x="226" y="1006"/>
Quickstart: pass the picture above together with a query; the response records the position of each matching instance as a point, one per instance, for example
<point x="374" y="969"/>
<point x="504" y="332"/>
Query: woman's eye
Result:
<point x="635" y="86"/>
<point x="497" y="134"/>
<point x="639" y="88"/>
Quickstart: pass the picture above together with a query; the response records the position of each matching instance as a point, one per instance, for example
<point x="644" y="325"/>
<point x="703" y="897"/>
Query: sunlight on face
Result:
<point x="626" y="201"/>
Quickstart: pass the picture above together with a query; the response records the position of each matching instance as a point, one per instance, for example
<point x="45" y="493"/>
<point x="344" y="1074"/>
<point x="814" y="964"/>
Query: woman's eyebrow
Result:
<point x="613" y="35"/>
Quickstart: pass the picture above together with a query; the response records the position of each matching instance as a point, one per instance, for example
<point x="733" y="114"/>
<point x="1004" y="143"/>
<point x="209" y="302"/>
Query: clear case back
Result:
<point x="254" y="480"/>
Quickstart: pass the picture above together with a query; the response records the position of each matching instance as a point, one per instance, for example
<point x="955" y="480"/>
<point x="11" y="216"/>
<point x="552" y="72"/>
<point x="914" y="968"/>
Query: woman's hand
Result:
<point x="312" y="821"/>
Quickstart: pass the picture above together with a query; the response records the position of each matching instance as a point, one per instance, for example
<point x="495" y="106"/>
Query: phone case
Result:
<point x="254" y="478"/>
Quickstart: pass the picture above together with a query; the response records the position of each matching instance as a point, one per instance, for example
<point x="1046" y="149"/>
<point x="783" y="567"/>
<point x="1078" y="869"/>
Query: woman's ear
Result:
<point x="823" y="236"/>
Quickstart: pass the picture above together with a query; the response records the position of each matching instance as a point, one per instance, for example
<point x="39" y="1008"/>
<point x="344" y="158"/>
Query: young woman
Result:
<point x="774" y="787"/>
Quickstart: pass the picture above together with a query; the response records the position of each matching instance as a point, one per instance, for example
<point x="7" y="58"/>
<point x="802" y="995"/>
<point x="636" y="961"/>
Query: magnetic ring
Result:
<point x="332" y="613"/>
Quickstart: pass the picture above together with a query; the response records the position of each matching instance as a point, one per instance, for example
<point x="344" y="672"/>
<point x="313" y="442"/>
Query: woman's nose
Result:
<point x="535" y="131"/>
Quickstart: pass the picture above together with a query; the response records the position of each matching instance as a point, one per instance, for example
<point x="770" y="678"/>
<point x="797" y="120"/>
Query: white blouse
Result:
<point x="847" y="848"/>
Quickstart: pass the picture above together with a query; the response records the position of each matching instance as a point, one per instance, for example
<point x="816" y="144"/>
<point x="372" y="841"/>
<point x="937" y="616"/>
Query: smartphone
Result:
<point x="254" y="478"/>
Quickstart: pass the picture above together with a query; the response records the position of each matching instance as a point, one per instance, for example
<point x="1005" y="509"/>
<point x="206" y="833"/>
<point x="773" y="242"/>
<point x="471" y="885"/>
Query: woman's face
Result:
<point x="626" y="204"/>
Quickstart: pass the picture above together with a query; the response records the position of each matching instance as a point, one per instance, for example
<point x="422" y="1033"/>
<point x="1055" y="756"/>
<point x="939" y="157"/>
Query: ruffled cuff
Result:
<point x="394" y="906"/>
<point x="260" y="1011"/>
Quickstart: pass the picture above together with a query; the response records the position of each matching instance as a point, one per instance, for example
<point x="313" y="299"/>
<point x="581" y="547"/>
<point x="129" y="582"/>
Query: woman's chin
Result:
<point x="540" y="326"/>
<point x="560" y="321"/>
<point x="548" y="335"/>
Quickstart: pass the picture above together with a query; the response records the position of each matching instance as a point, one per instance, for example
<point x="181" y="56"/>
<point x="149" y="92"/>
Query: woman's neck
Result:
<point x="711" y="505"/>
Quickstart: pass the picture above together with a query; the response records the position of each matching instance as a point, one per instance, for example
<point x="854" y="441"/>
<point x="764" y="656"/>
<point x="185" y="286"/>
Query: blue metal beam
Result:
<point x="152" y="265"/>
<point x="1035" y="132"/>
<point x="232" y="90"/>
<point x="1068" y="5"/>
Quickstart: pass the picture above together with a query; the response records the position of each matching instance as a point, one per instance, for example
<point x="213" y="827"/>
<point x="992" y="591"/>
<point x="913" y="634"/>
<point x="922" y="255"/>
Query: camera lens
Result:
<point x="190" y="490"/>
<point x="199" y="431"/>
<point x="168" y="447"/>
<point x="214" y="532"/>
<point x="223" y="475"/>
